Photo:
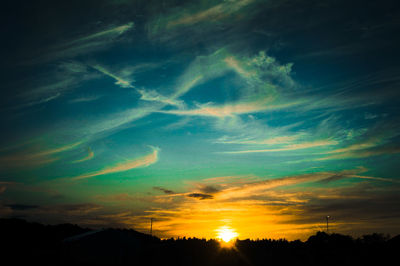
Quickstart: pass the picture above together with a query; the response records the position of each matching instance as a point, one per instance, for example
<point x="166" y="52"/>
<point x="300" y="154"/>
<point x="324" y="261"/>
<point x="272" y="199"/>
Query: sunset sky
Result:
<point x="260" y="117"/>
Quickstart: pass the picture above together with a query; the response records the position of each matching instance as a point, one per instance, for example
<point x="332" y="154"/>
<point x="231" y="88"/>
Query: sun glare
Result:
<point x="226" y="234"/>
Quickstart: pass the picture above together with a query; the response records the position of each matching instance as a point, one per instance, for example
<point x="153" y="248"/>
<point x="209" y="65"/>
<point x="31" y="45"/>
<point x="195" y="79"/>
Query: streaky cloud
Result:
<point x="118" y="80"/>
<point x="305" y="145"/>
<point x="85" y="99"/>
<point x="379" y="141"/>
<point x="87" y="43"/>
<point x="143" y="161"/>
<point x="86" y="158"/>
<point x="118" y="120"/>
<point x="221" y="111"/>
<point x="105" y="33"/>
<point x="29" y="158"/>
<point x="269" y="141"/>
<point x="154" y="96"/>
<point x="362" y="153"/>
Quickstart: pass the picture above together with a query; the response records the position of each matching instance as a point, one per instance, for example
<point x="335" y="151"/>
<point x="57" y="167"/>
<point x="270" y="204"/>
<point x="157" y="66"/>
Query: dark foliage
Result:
<point x="66" y="244"/>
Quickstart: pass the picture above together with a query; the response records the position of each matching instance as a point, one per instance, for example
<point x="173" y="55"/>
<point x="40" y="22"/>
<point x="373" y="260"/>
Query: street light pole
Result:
<point x="327" y="223"/>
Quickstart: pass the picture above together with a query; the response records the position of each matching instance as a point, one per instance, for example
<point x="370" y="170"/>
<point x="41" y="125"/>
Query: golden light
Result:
<point x="226" y="234"/>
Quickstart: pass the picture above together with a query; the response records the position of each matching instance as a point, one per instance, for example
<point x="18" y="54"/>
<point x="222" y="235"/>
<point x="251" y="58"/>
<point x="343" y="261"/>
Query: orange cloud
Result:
<point x="136" y="163"/>
<point x="86" y="158"/>
<point x="31" y="158"/>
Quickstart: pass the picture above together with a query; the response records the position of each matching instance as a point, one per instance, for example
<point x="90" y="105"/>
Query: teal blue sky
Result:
<point x="202" y="115"/>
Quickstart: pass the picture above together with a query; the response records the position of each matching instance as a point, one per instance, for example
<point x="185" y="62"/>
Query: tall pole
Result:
<point x="151" y="226"/>
<point x="327" y="223"/>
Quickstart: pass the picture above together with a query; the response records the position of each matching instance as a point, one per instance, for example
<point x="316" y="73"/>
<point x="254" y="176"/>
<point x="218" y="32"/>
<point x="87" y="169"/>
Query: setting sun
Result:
<point x="226" y="234"/>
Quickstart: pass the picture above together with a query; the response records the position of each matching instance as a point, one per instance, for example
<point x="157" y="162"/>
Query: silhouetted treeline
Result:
<point x="68" y="244"/>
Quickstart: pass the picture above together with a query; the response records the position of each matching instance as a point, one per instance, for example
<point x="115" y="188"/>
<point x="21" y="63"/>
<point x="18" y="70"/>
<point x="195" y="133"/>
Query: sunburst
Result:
<point x="226" y="234"/>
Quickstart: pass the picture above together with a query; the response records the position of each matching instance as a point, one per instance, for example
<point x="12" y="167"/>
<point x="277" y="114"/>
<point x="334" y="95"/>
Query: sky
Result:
<point x="260" y="117"/>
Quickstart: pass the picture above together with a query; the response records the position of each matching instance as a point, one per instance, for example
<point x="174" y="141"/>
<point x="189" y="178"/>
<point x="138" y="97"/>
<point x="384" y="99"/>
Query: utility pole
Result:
<point x="151" y="226"/>
<point x="327" y="224"/>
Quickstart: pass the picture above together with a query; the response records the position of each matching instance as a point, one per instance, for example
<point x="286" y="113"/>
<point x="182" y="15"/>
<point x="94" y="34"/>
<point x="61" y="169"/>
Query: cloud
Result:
<point x="200" y="196"/>
<point x="356" y="209"/>
<point x="85" y="99"/>
<point x="63" y="78"/>
<point x="201" y="21"/>
<point x="118" y="80"/>
<point x="202" y="69"/>
<point x="122" y="167"/>
<point x="40" y="101"/>
<point x="178" y="124"/>
<point x="291" y="147"/>
<point x="362" y="153"/>
<point x="113" y="31"/>
<point x="166" y="191"/>
<point x="115" y="121"/>
<point x="21" y="207"/>
<point x="121" y="197"/>
<point x="221" y="111"/>
<point x="85" y="44"/>
<point x="210" y="189"/>
<point x="212" y="13"/>
<point x="378" y="140"/>
<point x="262" y="76"/>
<point x="151" y="95"/>
<point x="223" y="188"/>
<point x="32" y="158"/>
<point x="268" y="141"/>
<point x="47" y="92"/>
<point x="88" y="157"/>
<point x="358" y="146"/>
<point x="258" y="188"/>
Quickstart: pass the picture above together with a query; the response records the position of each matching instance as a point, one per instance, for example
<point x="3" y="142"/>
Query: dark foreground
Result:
<point x="67" y="244"/>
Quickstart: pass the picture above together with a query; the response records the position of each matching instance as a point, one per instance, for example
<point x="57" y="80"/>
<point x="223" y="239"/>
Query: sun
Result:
<point x="226" y="234"/>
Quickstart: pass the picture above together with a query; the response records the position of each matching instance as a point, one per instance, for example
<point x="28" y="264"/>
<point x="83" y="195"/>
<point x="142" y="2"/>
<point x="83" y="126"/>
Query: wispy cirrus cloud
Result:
<point x="173" y="25"/>
<point x="83" y="43"/>
<point x="291" y="147"/>
<point x="125" y="80"/>
<point x="143" y="161"/>
<point x="154" y="96"/>
<point x="31" y="157"/>
<point x="268" y="141"/>
<point x="201" y="70"/>
<point x="362" y="152"/>
<point x="221" y="111"/>
<point x="262" y="75"/>
<point x="377" y="140"/>
<point x="47" y="92"/>
<point x="122" y="82"/>
<point x="86" y="158"/>
<point x="62" y="79"/>
<point x="213" y="13"/>
<point x="117" y="120"/>
<point x="85" y="99"/>
<point x="107" y="33"/>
